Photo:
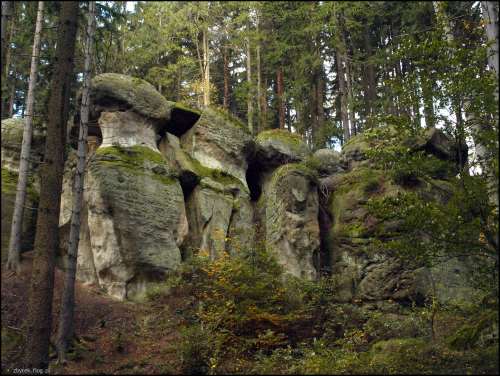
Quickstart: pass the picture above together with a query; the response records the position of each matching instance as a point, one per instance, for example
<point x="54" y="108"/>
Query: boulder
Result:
<point x="12" y="138"/>
<point x="220" y="217"/>
<point x="365" y="269"/>
<point x="276" y="147"/>
<point x="134" y="221"/>
<point x="218" y="141"/>
<point x="113" y="91"/>
<point x="289" y="206"/>
<point x="127" y="129"/>
<point x="327" y="162"/>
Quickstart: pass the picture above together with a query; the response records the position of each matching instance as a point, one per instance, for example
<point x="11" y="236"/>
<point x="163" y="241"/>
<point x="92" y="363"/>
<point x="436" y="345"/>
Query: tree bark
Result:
<point x="7" y="7"/>
<point x="39" y="307"/>
<point x="343" y="96"/>
<point x="320" y="109"/>
<point x="281" y="104"/>
<point x="66" y="328"/>
<point x="250" y="91"/>
<point x="13" y="261"/>
<point x="225" y="103"/>
<point x="350" y="97"/>
<point x="491" y="18"/>
<point x="259" y="79"/>
<point x="206" y="70"/>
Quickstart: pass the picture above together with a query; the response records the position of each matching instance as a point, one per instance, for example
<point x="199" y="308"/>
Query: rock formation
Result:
<point x="164" y="182"/>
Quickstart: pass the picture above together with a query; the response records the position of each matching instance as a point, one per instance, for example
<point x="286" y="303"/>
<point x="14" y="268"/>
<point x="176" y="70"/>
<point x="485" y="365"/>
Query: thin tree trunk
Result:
<point x="350" y="97"/>
<point x="343" y="97"/>
<point x="250" y="91"/>
<point x="320" y="109"/>
<point x="225" y="103"/>
<point x="13" y="261"/>
<point x="281" y="104"/>
<point x="259" y="84"/>
<point x="66" y="328"/>
<point x="264" y="105"/>
<point x="12" y="96"/>
<point x="206" y="70"/>
<point x="7" y="7"/>
<point x="39" y="306"/>
<point x="8" y="50"/>
<point x="491" y="18"/>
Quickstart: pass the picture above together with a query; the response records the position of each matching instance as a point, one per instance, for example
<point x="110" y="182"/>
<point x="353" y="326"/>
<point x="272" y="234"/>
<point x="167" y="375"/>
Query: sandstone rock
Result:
<point x="135" y="221"/>
<point x="276" y="147"/>
<point x="364" y="268"/>
<point x="219" y="142"/>
<point x="220" y="217"/>
<point x="290" y="201"/>
<point x="117" y="91"/>
<point x="328" y="162"/>
<point x="9" y="185"/>
<point x="12" y="137"/>
<point x="127" y="129"/>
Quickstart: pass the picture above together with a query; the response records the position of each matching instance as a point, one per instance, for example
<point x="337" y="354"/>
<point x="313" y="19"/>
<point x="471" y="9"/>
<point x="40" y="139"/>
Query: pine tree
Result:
<point x="39" y="315"/>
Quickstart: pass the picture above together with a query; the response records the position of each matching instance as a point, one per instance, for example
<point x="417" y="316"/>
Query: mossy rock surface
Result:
<point x="109" y="89"/>
<point x="12" y="133"/>
<point x="278" y="146"/>
<point x="218" y="142"/>
<point x="9" y="186"/>
<point x="136" y="218"/>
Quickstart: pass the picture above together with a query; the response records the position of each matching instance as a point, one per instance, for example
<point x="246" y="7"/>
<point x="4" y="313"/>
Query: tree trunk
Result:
<point x="343" y="96"/>
<point x="225" y="103"/>
<point x="39" y="307"/>
<point x="259" y="81"/>
<point x="350" y="97"/>
<point x="12" y="97"/>
<point x="491" y="18"/>
<point x="6" y="17"/>
<point x="13" y="261"/>
<point x="206" y="70"/>
<point x="370" y="84"/>
<point x="66" y="329"/>
<point x="250" y="91"/>
<point x="281" y="104"/>
<point x="320" y="109"/>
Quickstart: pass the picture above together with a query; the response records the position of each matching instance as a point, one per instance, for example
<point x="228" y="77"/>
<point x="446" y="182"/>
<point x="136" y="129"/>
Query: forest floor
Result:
<point x="113" y="336"/>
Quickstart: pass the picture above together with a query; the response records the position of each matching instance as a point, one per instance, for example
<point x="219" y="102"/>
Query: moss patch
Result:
<point x="9" y="185"/>
<point x="283" y="136"/>
<point x="12" y="132"/>
<point x="139" y="160"/>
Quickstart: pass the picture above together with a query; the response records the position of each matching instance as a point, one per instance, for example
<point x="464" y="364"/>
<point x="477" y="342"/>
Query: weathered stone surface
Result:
<point x="276" y="147"/>
<point x="365" y="269"/>
<point x="328" y="162"/>
<point x="219" y="142"/>
<point x="127" y="128"/>
<point x="113" y="90"/>
<point x="12" y="138"/>
<point x="9" y="184"/>
<point x="135" y="221"/>
<point x="290" y="201"/>
<point x="220" y="217"/>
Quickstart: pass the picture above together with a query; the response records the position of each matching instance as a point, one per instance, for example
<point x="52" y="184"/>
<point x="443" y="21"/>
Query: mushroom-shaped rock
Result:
<point x="276" y="147"/>
<point x="219" y="141"/>
<point x="290" y="213"/>
<point x="327" y="162"/>
<point x="119" y="92"/>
